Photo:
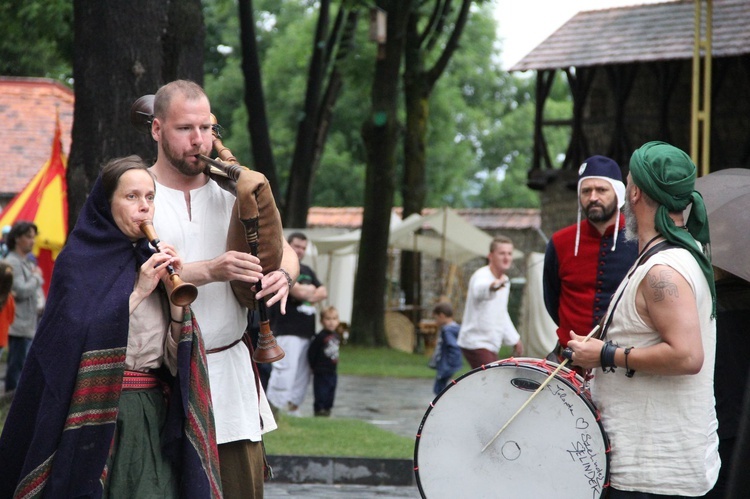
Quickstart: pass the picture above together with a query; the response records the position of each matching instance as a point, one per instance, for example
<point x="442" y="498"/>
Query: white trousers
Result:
<point x="291" y="375"/>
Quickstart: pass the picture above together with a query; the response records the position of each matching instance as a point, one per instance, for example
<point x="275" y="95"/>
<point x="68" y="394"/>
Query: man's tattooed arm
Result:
<point x="663" y="285"/>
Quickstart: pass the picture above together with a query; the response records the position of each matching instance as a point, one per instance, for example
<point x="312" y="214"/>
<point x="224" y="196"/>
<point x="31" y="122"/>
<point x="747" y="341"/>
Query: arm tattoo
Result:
<point x="662" y="285"/>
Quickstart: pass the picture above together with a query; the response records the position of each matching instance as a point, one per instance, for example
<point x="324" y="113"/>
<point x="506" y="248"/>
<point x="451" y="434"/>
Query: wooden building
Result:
<point x="630" y="71"/>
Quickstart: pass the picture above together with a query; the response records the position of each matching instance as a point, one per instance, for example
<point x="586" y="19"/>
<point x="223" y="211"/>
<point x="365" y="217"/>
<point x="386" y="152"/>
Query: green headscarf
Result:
<point x="667" y="175"/>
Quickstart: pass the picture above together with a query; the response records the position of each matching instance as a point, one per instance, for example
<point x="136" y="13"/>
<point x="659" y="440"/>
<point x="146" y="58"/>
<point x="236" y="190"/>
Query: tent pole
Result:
<point x="442" y="249"/>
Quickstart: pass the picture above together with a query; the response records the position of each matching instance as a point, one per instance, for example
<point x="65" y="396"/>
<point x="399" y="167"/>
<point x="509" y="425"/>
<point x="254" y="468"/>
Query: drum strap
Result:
<point x="647" y="253"/>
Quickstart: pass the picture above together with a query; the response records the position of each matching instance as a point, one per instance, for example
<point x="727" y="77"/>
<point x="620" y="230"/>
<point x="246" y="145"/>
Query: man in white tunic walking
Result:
<point x="486" y="324"/>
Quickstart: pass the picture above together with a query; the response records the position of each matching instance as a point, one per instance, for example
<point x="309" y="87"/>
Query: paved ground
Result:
<point x="289" y="490"/>
<point x="397" y="405"/>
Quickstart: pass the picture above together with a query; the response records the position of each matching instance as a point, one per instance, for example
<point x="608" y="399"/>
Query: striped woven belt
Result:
<point x="136" y="380"/>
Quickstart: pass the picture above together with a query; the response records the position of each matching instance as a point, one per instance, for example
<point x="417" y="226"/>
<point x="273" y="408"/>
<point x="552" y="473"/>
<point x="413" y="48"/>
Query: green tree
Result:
<point x="433" y="32"/>
<point x="331" y="45"/>
<point x="37" y="38"/>
<point x="464" y="143"/>
<point x="380" y="136"/>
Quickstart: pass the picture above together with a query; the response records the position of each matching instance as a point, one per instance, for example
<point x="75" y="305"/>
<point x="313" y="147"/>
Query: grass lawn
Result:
<point x="335" y="437"/>
<point x="386" y="362"/>
<point x="382" y="362"/>
<point x="5" y="401"/>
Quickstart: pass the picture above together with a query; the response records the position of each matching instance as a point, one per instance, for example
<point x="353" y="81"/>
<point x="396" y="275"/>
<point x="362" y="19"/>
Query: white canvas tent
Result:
<point x="537" y="328"/>
<point x="448" y="236"/>
<point x="443" y="234"/>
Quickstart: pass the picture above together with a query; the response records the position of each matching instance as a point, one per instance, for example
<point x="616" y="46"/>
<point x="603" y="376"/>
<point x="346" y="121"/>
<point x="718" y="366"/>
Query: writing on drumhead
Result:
<point x="583" y="452"/>
<point x="559" y="391"/>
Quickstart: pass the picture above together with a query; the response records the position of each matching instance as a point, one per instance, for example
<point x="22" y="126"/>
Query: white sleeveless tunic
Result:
<point x="662" y="429"/>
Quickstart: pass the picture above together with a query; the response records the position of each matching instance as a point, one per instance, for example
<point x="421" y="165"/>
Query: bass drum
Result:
<point x="555" y="447"/>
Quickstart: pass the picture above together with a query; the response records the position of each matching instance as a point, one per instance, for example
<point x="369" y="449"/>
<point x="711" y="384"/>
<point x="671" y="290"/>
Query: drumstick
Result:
<point x="541" y="387"/>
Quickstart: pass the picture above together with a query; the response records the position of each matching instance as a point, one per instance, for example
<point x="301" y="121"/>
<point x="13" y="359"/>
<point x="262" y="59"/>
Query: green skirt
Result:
<point x="136" y="466"/>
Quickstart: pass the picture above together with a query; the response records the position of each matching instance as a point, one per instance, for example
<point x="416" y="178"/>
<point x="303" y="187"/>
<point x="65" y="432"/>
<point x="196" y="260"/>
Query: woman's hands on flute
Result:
<point x="151" y="272"/>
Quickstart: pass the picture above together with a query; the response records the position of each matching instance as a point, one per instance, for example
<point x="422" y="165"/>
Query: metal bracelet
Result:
<point x="289" y="280"/>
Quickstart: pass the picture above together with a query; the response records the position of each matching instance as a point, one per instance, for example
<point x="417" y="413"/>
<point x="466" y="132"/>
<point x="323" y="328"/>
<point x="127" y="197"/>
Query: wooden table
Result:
<point x="427" y="334"/>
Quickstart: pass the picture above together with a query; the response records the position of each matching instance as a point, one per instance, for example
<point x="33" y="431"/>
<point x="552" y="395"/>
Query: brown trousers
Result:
<point x="479" y="357"/>
<point x="241" y="465"/>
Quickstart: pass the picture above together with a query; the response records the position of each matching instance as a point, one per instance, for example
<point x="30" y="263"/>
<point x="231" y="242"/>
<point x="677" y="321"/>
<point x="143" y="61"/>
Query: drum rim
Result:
<point x="526" y="362"/>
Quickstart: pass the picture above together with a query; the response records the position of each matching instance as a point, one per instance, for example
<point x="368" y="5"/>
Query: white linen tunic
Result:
<point x="221" y="317"/>
<point x="486" y="322"/>
<point x="662" y="429"/>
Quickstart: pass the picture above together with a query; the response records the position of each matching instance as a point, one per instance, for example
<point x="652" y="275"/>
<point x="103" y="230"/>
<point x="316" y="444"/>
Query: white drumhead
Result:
<point x="554" y="448"/>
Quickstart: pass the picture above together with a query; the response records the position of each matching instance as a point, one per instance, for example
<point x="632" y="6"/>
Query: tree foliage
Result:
<point x="479" y="138"/>
<point x="469" y="138"/>
<point x="37" y="38"/>
<point x="267" y="57"/>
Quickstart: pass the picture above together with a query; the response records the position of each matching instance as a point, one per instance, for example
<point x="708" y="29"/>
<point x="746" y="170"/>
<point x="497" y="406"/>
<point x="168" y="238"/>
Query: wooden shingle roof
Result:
<point x="640" y="33"/>
<point x="27" y="112"/>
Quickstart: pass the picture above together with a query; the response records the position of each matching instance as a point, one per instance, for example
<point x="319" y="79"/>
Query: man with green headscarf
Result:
<point x="658" y="407"/>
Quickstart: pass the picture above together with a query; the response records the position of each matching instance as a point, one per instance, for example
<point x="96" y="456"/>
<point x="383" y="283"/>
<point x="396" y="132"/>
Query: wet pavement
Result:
<point x="307" y="491"/>
<point x="393" y="404"/>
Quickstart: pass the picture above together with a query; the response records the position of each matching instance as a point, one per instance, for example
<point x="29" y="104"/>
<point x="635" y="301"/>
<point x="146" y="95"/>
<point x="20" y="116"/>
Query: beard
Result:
<point x="597" y="212"/>
<point x="179" y="162"/>
<point x="631" y="224"/>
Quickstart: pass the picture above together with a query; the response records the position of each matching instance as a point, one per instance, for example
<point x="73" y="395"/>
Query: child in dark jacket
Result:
<point x="323" y="356"/>
<point x="447" y="358"/>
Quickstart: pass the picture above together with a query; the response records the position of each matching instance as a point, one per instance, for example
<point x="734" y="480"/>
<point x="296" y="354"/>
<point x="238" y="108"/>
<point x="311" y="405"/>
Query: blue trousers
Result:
<point x="18" y="349"/>
<point x="324" y="390"/>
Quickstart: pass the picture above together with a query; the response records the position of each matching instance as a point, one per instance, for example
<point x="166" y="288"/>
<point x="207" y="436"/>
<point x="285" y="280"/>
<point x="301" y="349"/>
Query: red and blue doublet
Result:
<point x="578" y="288"/>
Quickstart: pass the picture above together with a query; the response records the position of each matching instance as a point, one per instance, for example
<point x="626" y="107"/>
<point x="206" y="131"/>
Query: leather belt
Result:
<point x="221" y="349"/>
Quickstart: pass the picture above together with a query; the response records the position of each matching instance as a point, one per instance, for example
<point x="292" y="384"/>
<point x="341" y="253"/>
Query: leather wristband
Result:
<point x="607" y="356"/>
<point x="628" y="372"/>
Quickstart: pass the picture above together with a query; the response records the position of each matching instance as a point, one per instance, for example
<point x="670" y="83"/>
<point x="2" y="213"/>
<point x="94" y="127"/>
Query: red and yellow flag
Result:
<point x="44" y="201"/>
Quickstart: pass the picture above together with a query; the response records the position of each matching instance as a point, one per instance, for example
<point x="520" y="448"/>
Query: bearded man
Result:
<point x="586" y="261"/>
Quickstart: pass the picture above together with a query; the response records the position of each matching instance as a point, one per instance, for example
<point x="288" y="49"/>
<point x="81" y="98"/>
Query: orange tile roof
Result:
<point x="27" y="111"/>
<point x="486" y="219"/>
